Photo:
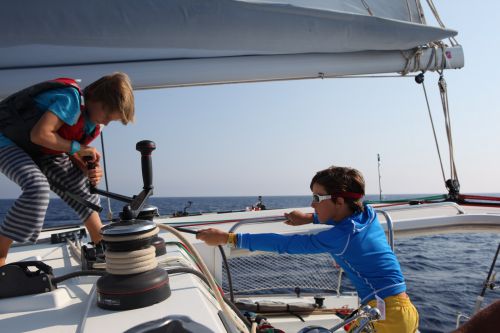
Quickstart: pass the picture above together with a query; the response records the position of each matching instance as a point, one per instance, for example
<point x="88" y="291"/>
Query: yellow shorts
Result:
<point x="401" y="316"/>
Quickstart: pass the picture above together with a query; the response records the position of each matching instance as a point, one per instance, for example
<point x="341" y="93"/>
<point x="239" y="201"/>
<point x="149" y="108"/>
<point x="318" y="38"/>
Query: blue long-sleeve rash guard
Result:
<point x="357" y="243"/>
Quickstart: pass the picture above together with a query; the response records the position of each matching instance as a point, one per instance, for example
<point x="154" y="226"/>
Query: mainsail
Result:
<point x="188" y="42"/>
<point x="401" y="10"/>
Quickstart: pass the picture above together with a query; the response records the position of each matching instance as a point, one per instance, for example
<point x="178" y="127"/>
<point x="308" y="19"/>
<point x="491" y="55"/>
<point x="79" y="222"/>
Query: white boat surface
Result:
<point x="197" y="42"/>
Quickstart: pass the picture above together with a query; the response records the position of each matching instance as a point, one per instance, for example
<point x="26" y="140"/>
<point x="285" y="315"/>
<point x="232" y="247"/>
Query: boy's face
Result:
<point x="334" y="209"/>
<point x="100" y="115"/>
<point x="326" y="208"/>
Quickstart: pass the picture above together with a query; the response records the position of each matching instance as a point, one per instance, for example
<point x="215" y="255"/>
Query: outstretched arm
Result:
<point x="325" y="241"/>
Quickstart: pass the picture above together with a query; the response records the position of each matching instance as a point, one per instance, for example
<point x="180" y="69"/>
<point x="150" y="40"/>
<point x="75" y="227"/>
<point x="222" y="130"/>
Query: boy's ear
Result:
<point x="339" y="201"/>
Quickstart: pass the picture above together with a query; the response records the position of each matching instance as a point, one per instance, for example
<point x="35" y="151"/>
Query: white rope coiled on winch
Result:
<point x="131" y="262"/>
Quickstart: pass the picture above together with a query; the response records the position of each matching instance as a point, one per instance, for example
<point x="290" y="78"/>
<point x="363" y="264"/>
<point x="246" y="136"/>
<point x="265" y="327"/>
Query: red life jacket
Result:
<point x="18" y="115"/>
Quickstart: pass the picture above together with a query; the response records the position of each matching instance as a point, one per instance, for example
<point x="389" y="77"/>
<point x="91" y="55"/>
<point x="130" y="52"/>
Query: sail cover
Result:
<point x="90" y="38"/>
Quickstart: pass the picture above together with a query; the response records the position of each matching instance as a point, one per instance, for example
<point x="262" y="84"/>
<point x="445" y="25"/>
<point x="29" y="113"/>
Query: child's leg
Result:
<point x="24" y="220"/>
<point x="4" y="248"/>
<point x="62" y="172"/>
<point x="93" y="224"/>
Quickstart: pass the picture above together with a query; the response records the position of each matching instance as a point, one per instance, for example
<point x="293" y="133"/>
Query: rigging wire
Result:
<point x="410" y="16"/>
<point x="367" y="7"/>
<point x="439" y="60"/>
<point x="420" y="12"/>
<point x="452" y="184"/>
<point x="110" y="212"/>
<point x="444" y="100"/>
<point x="434" y="131"/>
<point x="434" y="11"/>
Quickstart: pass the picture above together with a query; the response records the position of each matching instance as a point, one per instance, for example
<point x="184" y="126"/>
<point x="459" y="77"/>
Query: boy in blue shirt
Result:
<point x="356" y="241"/>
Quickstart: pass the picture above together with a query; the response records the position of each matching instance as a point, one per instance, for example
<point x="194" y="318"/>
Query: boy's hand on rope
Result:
<point x="296" y="217"/>
<point x="213" y="237"/>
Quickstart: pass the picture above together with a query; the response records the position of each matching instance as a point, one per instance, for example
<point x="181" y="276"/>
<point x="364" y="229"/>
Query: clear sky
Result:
<point x="270" y="138"/>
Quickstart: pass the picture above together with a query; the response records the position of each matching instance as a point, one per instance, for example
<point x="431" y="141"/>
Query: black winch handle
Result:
<point x="146" y="147"/>
<point x="91" y="166"/>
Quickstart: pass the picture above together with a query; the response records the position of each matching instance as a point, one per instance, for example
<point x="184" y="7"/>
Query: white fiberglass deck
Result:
<point x="73" y="306"/>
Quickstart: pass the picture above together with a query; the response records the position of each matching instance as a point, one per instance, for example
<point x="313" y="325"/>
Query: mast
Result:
<point x="379" y="179"/>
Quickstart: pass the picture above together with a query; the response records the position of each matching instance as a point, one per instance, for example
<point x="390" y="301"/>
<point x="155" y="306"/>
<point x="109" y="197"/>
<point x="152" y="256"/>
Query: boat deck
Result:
<point x="73" y="306"/>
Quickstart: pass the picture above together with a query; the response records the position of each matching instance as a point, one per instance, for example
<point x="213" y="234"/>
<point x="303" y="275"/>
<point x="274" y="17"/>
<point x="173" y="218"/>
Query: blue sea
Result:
<point x="444" y="273"/>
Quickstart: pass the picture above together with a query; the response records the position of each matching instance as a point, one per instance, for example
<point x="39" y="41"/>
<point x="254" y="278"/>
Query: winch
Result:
<point x="133" y="279"/>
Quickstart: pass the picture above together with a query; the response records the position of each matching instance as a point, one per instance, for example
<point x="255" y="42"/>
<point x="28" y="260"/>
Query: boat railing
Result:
<point x="390" y="230"/>
<point x="423" y="206"/>
<point x="460" y="318"/>
<point x="385" y="212"/>
<point x="256" y="221"/>
<point x="382" y="210"/>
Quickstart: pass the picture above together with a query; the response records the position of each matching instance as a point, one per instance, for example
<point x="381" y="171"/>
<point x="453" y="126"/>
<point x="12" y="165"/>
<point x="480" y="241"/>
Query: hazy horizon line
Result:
<point x="289" y="195"/>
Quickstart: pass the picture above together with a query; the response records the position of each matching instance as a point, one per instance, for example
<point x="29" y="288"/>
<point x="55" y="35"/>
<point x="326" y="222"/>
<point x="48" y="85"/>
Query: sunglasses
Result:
<point x="316" y="198"/>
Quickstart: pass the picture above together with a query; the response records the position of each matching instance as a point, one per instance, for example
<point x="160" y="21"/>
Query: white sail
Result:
<point x="401" y="10"/>
<point x="183" y="42"/>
